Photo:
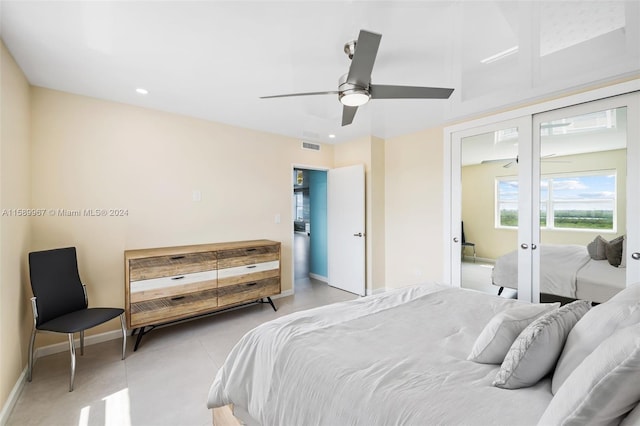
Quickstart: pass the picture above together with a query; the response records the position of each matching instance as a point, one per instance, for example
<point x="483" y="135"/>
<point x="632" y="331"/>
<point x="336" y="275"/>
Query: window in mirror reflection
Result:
<point x="575" y="201"/>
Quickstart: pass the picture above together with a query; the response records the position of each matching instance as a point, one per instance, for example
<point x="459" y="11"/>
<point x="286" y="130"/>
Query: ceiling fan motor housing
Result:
<point x="352" y="94"/>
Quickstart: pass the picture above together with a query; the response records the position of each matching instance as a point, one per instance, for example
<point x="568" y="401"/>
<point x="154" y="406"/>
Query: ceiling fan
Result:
<point x="509" y="162"/>
<point x="355" y="88"/>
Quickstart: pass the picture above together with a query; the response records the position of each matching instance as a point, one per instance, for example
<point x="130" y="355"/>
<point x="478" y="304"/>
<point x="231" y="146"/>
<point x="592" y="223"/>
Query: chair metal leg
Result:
<point x="81" y="342"/>
<point x="31" y="343"/>
<point x="72" y="352"/>
<point x="124" y="335"/>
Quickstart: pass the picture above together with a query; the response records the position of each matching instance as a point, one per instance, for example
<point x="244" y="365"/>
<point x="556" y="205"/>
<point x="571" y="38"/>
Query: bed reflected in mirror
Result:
<point x="583" y="212"/>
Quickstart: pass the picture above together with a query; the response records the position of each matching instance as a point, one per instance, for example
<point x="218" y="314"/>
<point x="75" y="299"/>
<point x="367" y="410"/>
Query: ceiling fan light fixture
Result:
<point x="354" y="97"/>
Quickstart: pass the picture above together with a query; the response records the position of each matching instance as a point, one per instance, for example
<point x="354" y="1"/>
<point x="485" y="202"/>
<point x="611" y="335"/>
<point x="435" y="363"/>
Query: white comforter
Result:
<point x="559" y="266"/>
<point x="394" y="358"/>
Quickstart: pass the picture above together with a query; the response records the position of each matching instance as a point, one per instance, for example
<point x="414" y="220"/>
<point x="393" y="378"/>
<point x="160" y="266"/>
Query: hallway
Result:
<point x="301" y="256"/>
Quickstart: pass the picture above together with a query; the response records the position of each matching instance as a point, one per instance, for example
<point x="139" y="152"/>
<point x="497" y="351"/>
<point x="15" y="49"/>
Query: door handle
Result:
<point x="359" y="234"/>
<point x="455" y="239"/>
<point x="635" y="256"/>
<point x="524" y="246"/>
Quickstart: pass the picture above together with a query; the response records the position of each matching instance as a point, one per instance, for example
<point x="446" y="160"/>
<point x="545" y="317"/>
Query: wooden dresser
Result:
<point x="168" y="284"/>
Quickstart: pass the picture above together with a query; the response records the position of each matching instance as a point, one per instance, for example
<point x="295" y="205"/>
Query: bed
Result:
<point x="567" y="271"/>
<point x="395" y="358"/>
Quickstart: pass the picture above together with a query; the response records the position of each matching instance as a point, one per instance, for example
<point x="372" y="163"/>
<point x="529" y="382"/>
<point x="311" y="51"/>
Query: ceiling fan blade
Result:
<point x="364" y="58"/>
<point x="332" y="92"/>
<point x="382" y="91"/>
<point x="348" y="113"/>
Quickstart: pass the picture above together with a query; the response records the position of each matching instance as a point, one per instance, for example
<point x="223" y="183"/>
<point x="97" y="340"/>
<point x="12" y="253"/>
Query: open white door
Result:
<point x="346" y="228"/>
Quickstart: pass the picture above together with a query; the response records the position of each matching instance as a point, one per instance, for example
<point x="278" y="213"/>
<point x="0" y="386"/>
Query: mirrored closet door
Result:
<point x="545" y="207"/>
<point x="586" y="186"/>
<point x="489" y="175"/>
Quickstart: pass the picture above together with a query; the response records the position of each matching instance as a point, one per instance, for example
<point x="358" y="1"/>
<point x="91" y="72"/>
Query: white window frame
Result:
<point x="550" y="203"/>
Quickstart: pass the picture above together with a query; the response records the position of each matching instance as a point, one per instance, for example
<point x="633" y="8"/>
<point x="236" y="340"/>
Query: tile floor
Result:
<point x="165" y="382"/>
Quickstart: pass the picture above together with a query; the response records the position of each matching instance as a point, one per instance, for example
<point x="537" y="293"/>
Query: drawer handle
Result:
<point x="177" y="298"/>
<point x="178" y="278"/>
<point x="251" y="249"/>
<point x="251" y="284"/>
<point x="251" y="266"/>
<point x="177" y="257"/>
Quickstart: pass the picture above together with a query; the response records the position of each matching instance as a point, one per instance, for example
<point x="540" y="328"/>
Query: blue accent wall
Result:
<point x="318" y="239"/>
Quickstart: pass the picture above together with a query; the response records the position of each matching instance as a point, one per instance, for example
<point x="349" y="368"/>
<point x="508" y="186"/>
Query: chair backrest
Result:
<point x="56" y="283"/>
<point x="464" y="240"/>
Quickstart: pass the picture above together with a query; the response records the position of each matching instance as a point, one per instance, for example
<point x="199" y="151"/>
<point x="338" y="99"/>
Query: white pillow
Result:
<point x="602" y="321"/>
<point x="537" y="348"/>
<point x="496" y="338"/>
<point x="633" y="418"/>
<point x="604" y="387"/>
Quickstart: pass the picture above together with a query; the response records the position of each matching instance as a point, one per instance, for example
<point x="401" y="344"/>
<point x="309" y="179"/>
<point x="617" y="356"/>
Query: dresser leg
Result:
<point x="141" y="332"/>
<point x="271" y="303"/>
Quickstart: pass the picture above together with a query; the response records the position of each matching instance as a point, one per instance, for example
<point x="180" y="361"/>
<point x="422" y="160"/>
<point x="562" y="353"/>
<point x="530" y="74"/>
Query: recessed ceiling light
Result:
<point x="331" y="136"/>
<point x="142" y="91"/>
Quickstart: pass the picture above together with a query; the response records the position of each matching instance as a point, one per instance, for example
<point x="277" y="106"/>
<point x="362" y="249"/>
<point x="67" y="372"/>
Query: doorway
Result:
<point x="309" y="227"/>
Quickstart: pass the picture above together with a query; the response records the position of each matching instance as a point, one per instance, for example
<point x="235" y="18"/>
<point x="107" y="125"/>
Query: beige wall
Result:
<point x="478" y="202"/>
<point x="14" y="231"/>
<point x="414" y="212"/>
<point x="92" y="154"/>
<point x="378" y="214"/>
<point x="370" y="152"/>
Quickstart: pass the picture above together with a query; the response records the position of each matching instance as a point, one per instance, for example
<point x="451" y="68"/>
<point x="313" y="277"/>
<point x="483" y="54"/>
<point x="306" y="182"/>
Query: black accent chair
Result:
<point x="60" y="302"/>
<point x="466" y="244"/>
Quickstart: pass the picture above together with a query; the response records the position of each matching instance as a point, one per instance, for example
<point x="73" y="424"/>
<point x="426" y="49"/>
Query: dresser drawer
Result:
<point x="248" y="291"/>
<point x="173" y="265"/>
<point x="172" y="308"/>
<point x="247" y="273"/>
<point x="248" y="256"/>
<point x="156" y="288"/>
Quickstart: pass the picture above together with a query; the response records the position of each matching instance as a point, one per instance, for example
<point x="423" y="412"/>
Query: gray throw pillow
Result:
<point x="536" y="350"/>
<point x="614" y="251"/>
<point x="597" y="248"/>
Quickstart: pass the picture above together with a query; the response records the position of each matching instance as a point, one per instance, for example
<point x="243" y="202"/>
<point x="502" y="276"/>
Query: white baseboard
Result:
<point x="12" y="399"/>
<point x="319" y="277"/>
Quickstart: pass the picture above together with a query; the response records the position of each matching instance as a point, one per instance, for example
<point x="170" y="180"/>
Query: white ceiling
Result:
<point x="213" y="59"/>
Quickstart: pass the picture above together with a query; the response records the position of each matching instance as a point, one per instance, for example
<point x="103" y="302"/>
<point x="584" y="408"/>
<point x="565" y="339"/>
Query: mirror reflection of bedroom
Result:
<point x="488" y="163"/>
<point x="583" y="212"/>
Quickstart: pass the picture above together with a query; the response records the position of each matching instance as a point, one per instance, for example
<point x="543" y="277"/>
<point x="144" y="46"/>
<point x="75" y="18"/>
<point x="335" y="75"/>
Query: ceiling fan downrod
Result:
<point x="350" y="48"/>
